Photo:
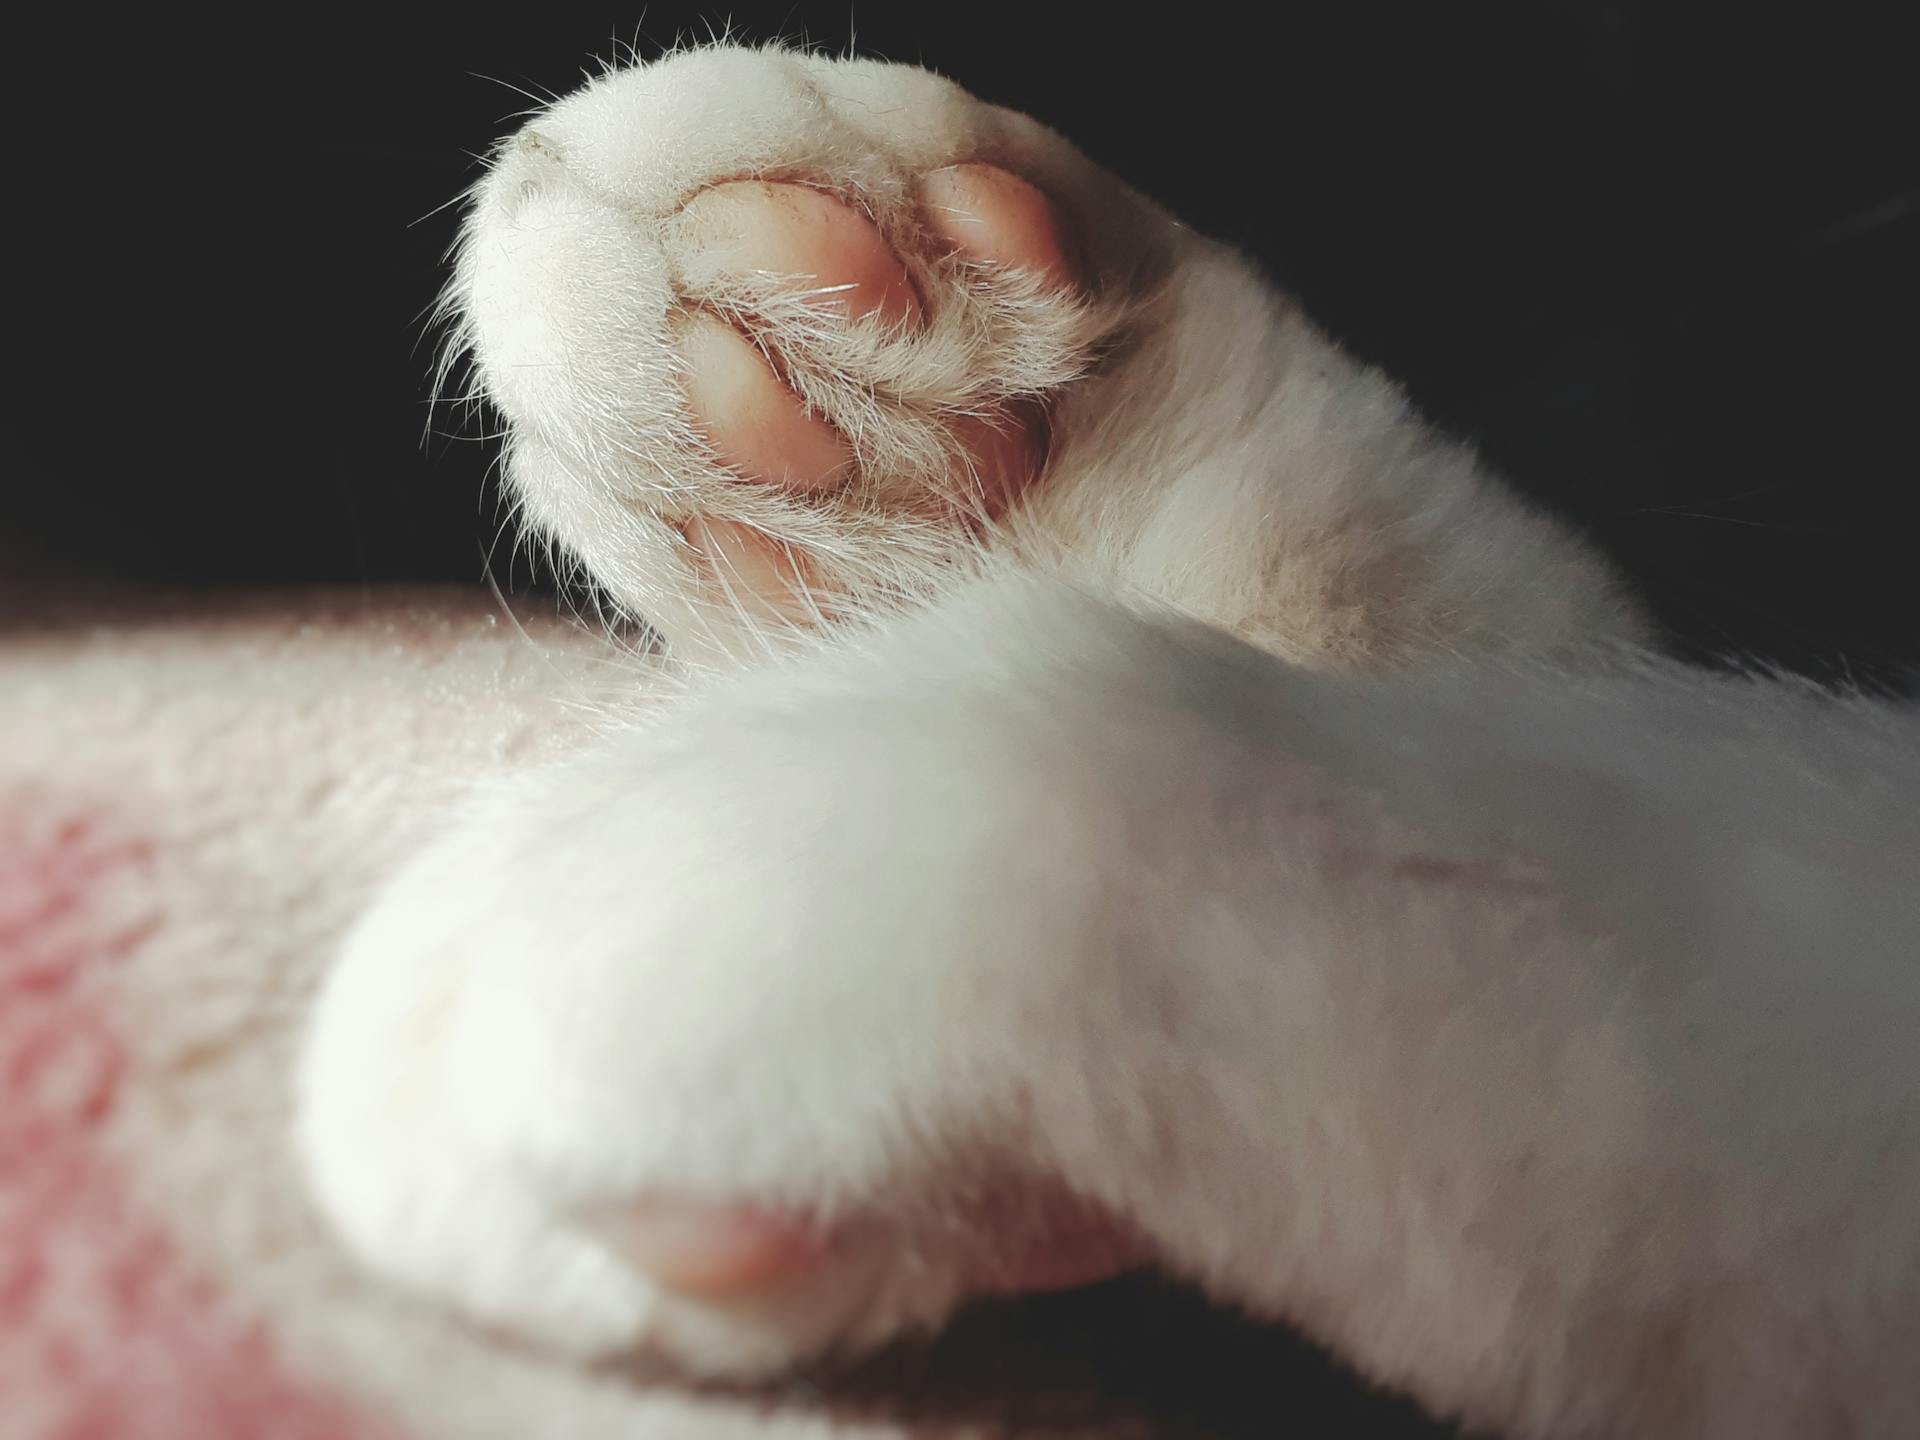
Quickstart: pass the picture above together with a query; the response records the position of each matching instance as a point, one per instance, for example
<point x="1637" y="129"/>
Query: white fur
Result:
<point x="1549" y="1044"/>
<point x="1227" y="458"/>
<point x="266" y="762"/>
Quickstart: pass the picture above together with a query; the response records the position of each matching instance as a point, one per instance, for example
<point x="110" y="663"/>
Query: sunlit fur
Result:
<point x="1224" y="456"/>
<point x="1268" y="833"/>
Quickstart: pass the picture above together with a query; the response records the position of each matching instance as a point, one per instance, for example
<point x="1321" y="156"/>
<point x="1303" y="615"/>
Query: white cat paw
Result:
<point x="780" y="338"/>
<point x="776" y="335"/>
<point x="641" y="982"/>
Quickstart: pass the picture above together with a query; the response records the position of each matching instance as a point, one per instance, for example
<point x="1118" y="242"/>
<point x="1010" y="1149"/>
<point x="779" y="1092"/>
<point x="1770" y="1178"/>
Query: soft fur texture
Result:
<point x="1226" y="458"/>
<point x="193" y="805"/>
<point x="1266" y="835"/>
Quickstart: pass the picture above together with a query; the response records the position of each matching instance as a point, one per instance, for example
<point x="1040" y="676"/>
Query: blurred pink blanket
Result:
<point x="110" y="1330"/>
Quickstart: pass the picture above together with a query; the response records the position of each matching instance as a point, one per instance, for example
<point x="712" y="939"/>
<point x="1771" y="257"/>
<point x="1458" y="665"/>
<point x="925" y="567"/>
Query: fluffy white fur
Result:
<point x="1545" y="1039"/>
<point x="1227" y="458"/>
<point x="274" y="762"/>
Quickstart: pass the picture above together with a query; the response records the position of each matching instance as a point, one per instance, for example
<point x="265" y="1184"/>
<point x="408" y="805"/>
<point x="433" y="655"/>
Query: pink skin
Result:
<point x="761" y="430"/>
<point x="718" y="1251"/>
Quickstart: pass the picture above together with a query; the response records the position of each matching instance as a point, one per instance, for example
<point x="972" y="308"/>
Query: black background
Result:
<point x="1658" y="265"/>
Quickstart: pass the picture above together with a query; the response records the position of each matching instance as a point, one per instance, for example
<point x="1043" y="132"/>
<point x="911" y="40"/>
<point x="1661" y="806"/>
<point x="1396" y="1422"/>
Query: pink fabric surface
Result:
<point x="107" y="1332"/>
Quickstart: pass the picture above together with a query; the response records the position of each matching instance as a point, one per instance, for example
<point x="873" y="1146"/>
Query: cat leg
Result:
<point x="1499" y="1052"/>
<point x="780" y="339"/>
